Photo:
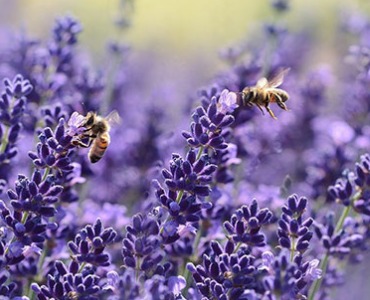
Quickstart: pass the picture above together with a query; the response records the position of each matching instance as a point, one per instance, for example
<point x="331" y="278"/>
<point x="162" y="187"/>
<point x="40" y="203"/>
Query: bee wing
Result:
<point x="113" y="118"/>
<point x="262" y="83"/>
<point x="278" y="78"/>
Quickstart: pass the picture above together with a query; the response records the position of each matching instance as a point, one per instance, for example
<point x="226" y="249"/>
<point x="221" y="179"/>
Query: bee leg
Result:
<point x="259" y="106"/>
<point x="280" y="103"/>
<point x="81" y="144"/>
<point x="270" y="111"/>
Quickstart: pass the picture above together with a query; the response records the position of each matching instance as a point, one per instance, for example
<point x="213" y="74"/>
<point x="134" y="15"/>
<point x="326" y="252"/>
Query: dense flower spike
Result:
<point x="287" y="278"/>
<point x="190" y="175"/>
<point x="12" y="107"/>
<point x="35" y="195"/>
<point x="52" y="150"/>
<point x="206" y="130"/>
<point x="224" y="272"/>
<point x="90" y="243"/>
<point x="69" y="283"/>
<point x="65" y="33"/>
<point x="245" y="225"/>
<point x="293" y="231"/>
<point x="352" y="190"/>
<point x="141" y="246"/>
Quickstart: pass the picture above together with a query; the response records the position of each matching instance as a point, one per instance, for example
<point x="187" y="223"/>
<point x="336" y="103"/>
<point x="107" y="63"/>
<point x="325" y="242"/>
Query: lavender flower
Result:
<point x="12" y="104"/>
<point x="69" y="283"/>
<point x="141" y="245"/>
<point x="294" y="232"/>
<point x="89" y="244"/>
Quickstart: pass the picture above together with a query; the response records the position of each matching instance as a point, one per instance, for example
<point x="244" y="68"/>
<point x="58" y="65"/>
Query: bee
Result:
<point x="97" y="131"/>
<point x="266" y="92"/>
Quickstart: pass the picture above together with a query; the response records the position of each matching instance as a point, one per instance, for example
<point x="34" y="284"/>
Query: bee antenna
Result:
<point x="83" y="106"/>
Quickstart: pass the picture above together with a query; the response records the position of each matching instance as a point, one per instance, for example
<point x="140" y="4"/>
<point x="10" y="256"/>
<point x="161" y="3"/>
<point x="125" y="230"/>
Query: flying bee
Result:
<point x="266" y="92"/>
<point x="97" y="131"/>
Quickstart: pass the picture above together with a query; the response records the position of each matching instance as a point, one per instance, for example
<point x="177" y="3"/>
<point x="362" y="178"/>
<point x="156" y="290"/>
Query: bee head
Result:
<point x="246" y="95"/>
<point x="90" y="119"/>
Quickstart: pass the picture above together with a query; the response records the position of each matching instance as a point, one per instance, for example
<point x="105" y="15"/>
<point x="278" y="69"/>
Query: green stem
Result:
<point x="317" y="284"/>
<point x="81" y="267"/>
<point x="200" y="152"/>
<point x="344" y="215"/>
<point x="179" y="196"/>
<point x="325" y="261"/>
<point x="24" y="217"/>
<point x="292" y="249"/>
<point x="46" y="173"/>
<point x="41" y="262"/>
<point x="28" y="291"/>
<point x="4" y="140"/>
<point x="137" y="269"/>
<point x="186" y="272"/>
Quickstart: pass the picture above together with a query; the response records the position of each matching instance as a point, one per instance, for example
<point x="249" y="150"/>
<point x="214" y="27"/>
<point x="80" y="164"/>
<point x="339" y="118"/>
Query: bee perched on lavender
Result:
<point x="96" y="129"/>
<point x="264" y="93"/>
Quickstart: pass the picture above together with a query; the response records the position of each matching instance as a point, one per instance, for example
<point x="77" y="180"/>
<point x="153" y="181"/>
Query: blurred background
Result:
<point x="176" y="31"/>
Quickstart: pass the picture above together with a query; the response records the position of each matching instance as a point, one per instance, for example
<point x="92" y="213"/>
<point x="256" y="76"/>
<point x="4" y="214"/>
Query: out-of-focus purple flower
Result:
<point x="341" y="132"/>
<point x="338" y="131"/>
<point x="6" y="288"/>
<point x="267" y="258"/>
<point x="351" y="190"/>
<point x="52" y="115"/>
<point x="108" y="213"/>
<point x="280" y="5"/>
<point x="29" y="250"/>
<point x="76" y="124"/>
<point x="112" y="281"/>
<point x="227" y="102"/>
<point x="66" y="29"/>
<point x="176" y="284"/>
<point x="18" y="87"/>
<point x="313" y="272"/>
<point x="65" y="32"/>
<point x="184" y="230"/>
<point x="232" y="158"/>
<point x="288" y="277"/>
<point x="337" y="242"/>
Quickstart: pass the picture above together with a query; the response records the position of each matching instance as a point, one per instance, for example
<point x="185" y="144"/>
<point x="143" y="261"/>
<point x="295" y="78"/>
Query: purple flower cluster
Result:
<point x="12" y="104"/>
<point x="226" y="204"/>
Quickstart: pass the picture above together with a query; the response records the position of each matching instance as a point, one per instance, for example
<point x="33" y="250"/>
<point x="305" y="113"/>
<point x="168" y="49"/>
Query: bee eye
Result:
<point x="90" y="121"/>
<point x="247" y="96"/>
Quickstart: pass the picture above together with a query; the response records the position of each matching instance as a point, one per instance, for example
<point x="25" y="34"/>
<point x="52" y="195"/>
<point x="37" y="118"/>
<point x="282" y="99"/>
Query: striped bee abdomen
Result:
<point x="99" y="147"/>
